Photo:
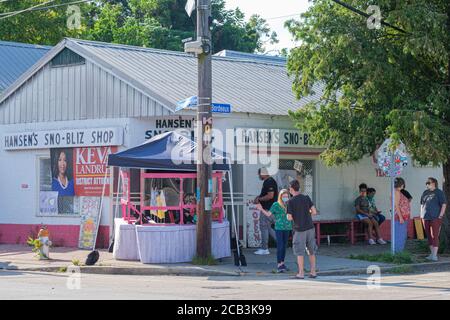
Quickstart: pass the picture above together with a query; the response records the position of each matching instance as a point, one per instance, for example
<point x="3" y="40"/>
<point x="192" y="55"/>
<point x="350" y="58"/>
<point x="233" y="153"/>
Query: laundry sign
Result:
<point x="63" y="138"/>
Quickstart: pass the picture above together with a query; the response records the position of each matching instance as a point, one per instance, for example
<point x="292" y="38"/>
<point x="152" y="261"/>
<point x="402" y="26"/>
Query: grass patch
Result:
<point x="75" y="262"/>
<point x="419" y="247"/>
<point x="401" y="270"/>
<point x="398" y="258"/>
<point x="209" y="261"/>
<point x="62" y="269"/>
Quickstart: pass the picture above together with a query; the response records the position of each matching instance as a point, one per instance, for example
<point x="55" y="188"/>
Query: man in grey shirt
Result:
<point x="300" y="209"/>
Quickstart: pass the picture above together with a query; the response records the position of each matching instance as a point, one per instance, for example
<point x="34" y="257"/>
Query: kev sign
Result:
<point x="89" y="170"/>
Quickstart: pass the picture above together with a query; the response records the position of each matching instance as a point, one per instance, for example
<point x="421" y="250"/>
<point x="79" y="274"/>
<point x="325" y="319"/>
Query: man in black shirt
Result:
<point x="300" y="209"/>
<point x="269" y="195"/>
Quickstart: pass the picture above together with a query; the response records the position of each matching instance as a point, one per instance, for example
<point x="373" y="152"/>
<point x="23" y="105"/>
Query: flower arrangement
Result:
<point x="37" y="245"/>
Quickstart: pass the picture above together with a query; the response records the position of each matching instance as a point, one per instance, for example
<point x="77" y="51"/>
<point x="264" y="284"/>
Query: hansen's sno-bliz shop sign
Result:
<point x="271" y="137"/>
<point x="63" y="138"/>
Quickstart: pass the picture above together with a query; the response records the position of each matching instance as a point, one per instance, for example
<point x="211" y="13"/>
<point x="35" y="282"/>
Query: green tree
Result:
<point x="378" y="83"/>
<point x="37" y="26"/>
<point x="151" y="23"/>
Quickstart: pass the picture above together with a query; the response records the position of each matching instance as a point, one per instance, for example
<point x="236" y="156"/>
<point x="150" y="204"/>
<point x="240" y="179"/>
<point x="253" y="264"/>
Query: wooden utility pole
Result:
<point x="204" y="131"/>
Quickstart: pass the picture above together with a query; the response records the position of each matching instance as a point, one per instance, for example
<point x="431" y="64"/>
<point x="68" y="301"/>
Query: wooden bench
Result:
<point x="354" y="229"/>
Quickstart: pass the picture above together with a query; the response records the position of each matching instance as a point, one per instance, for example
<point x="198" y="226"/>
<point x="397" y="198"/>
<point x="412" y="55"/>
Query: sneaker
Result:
<point x="285" y="268"/>
<point x="372" y="242"/>
<point x="381" y="241"/>
<point x="280" y="269"/>
<point x="262" y="252"/>
<point x="434" y="258"/>
<point x="430" y="257"/>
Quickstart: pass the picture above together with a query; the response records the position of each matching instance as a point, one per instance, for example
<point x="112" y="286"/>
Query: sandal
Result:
<point x="299" y="277"/>
<point x="312" y="276"/>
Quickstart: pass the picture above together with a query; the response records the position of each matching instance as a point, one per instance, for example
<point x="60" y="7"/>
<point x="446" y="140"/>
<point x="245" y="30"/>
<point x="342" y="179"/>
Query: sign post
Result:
<point x="392" y="161"/>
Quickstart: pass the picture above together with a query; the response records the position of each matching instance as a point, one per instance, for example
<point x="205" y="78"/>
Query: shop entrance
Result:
<point x="306" y="176"/>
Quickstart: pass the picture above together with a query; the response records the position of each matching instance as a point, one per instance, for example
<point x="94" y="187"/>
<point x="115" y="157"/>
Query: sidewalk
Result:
<point x="331" y="261"/>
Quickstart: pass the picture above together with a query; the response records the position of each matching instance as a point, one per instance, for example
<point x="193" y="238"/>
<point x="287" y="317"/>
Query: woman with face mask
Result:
<point x="283" y="226"/>
<point x="433" y="205"/>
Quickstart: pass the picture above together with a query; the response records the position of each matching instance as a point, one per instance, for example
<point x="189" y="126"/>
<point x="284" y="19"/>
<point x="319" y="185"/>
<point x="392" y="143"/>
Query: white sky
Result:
<point x="271" y="10"/>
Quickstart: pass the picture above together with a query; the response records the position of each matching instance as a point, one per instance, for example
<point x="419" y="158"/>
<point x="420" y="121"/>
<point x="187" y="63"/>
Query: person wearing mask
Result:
<point x="300" y="210"/>
<point x="433" y="205"/>
<point x="364" y="215"/>
<point x="268" y="195"/>
<point x="402" y="215"/>
<point x="283" y="226"/>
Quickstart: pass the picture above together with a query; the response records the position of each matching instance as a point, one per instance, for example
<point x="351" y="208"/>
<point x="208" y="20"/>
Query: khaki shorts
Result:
<point x="304" y="241"/>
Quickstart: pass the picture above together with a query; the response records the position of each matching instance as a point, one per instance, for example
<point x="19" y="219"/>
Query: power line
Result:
<point x="38" y="8"/>
<point x="349" y="7"/>
<point x="13" y="13"/>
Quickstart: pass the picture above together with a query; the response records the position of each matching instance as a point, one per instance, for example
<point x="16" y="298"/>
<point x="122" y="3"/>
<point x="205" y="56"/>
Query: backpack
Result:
<point x="92" y="258"/>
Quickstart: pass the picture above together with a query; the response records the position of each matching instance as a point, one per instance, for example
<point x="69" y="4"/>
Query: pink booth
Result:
<point x="158" y="221"/>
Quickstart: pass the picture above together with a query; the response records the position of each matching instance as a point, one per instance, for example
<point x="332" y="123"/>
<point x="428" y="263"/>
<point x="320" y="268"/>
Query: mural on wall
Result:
<point x="253" y="230"/>
<point x="89" y="212"/>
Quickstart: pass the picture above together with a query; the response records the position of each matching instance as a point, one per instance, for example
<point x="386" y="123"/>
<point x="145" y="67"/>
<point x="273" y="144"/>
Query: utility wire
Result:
<point x="38" y="8"/>
<point x="349" y="7"/>
<point x="13" y="13"/>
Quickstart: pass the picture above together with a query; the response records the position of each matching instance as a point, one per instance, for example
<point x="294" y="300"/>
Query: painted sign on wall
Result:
<point x="161" y="125"/>
<point x="63" y="138"/>
<point x="271" y="137"/>
<point x="253" y="230"/>
<point x="89" y="212"/>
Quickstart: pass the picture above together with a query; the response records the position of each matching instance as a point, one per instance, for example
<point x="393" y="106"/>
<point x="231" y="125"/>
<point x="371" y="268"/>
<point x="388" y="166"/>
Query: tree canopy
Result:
<point x="151" y="23"/>
<point x="378" y="82"/>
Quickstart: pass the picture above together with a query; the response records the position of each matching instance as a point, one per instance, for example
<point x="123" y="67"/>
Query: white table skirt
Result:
<point x="125" y="243"/>
<point x="174" y="244"/>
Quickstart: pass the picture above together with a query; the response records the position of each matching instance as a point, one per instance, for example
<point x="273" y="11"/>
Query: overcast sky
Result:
<point x="272" y="11"/>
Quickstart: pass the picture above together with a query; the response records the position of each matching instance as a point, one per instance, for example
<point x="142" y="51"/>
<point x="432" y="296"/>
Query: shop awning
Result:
<point x="169" y="151"/>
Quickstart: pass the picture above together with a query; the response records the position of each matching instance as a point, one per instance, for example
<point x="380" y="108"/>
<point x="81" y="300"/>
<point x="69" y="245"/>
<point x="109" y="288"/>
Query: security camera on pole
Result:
<point x="392" y="161"/>
<point x="201" y="47"/>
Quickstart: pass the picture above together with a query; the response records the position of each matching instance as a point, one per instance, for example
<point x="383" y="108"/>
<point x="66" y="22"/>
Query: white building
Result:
<point x="128" y="94"/>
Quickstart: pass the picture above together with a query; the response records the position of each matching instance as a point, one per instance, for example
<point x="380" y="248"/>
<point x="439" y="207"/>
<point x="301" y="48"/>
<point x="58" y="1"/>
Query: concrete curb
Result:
<point x="149" y="271"/>
<point x="203" y="272"/>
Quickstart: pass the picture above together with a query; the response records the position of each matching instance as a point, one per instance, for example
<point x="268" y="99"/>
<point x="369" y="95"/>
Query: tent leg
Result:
<point x="236" y="233"/>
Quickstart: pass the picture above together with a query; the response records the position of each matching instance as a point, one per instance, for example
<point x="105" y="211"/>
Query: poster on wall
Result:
<point x="48" y="203"/>
<point x="253" y="230"/>
<point x="90" y="167"/>
<point x="62" y="181"/>
<point x="71" y="173"/>
<point x="89" y="212"/>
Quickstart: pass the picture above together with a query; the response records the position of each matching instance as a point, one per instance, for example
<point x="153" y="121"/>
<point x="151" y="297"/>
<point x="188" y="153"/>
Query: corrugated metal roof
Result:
<point x="16" y="58"/>
<point x="249" y="86"/>
<point x="167" y="77"/>
<point x="251" y="56"/>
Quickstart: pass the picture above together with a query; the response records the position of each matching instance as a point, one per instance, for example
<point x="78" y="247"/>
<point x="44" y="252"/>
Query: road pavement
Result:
<point x="36" y="285"/>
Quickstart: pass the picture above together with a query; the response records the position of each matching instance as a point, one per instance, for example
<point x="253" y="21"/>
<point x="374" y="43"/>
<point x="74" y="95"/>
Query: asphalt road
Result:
<point x="31" y="285"/>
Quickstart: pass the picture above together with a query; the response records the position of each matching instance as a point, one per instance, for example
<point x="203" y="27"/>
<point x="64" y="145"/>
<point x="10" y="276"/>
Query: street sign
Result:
<point x="192" y="102"/>
<point x="190" y="6"/>
<point x="390" y="161"/>
<point x="221" y="108"/>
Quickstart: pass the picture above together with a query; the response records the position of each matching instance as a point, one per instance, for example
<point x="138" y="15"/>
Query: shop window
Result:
<point x="286" y="173"/>
<point x="50" y="204"/>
